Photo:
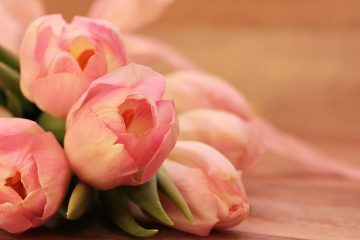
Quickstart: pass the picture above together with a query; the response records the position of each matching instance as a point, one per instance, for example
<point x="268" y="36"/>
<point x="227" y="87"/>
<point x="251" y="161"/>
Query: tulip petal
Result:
<point x="24" y="13"/>
<point x="292" y="148"/>
<point x="132" y="79"/>
<point x="51" y="161"/>
<point x="158" y="143"/>
<point x="151" y="52"/>
<point x="102" y="32"/>
<point x="18" y="223"/>
<point x="128" y="15"/>
<point x="238" y="140"/>
<point x="88" y="130"/>
<point x="201" y="172"/>
<point x="12" y="28"/>
<point x="209" y="91"/>
<point x="194" y="186"/>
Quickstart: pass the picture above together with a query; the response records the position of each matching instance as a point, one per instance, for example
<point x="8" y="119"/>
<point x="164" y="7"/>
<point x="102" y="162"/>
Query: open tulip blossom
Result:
<point x="85" y="123"/>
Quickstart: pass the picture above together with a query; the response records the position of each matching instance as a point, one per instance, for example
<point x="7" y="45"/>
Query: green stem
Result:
<point x="53" y="124"/>
<point x="9" y="59"/>
<point x="167" y="186"/>
<point x="116" y="205"/>
<point x="9" y="79"/>
<point x="147" y="197"/>
<point x="9" y="82"/>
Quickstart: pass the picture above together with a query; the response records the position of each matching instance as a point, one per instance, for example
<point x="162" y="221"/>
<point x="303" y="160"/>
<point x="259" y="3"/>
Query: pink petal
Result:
<point x="128" y="15"/>
<point x="51" y="161"/>
<point x="12" y="28"/>
<point x="24" y="13"/>
<point x="292" y="148"/>
<point x="18" y="223"/>
<point x="238" y="140"/>
<point x="68" y="87"/>
<point x="150" y="52"/>
<point x="158" y="142"/>
<point x="102" y="32"/>
<point x="38" y="49"/>
<point x="94" y="155"/>
<point x="132" y="79"/>
<point x="17" y="126"/>
<point x="195" y="188"/>
<point x="193" y="89"/>
<point x="231" y="203"/>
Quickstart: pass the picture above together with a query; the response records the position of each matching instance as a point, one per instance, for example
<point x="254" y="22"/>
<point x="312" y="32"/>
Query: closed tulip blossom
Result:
<point x="34" y="175"/>
<point x="120" y="131"/>
<point x="191" y="89"/>
<point x="210" y="185"/>
<point x="238" y="140"/>
<point x="60" y="60"/>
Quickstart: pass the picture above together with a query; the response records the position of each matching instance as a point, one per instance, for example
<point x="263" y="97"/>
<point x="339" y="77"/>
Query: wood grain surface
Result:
<point x="298" y="63"/>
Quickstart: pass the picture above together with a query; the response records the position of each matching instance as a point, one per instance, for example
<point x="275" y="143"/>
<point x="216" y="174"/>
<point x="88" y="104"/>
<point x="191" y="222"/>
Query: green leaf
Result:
<point x="116" y="205"/>
<point x="2" y="98"/>
<point x="167" y="186"/>
<point x="9" y="82"/>
<point x="82" y="199"/>
<point x="147" y="197"/>
<point x="13" y="104"/>
<point x="52" y="124"/>
<point x="9" y="79"/>
<point x="9" y="59"/>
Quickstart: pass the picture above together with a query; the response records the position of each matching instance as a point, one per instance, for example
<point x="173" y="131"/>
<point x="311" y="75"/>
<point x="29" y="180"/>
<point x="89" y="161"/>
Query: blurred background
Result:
<point x="296" y="61"/>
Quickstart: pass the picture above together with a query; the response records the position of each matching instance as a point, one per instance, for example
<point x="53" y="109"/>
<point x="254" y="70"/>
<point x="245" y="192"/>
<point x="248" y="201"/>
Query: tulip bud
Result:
<point x="119" y="114"/>
<point x="210" y="185"/>
<point x="193" y="89"/>
<point x="34" y="175"/>
<point x="59" y="60"/>
<point x="239" y="141"/>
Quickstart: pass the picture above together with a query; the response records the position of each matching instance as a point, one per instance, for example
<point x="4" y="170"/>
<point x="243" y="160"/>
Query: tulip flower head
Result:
<point x="120" y="131"/>
<point x="211" y="186"/>
<point x="34" y="175"/>
<point x="192" y="89"/>
<point x="60" y="60"/>
<point x="238" y="140"/>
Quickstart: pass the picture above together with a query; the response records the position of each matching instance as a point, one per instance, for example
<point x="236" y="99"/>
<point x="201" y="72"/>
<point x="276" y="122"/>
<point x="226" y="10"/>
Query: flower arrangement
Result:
<point x="85" y="122"/>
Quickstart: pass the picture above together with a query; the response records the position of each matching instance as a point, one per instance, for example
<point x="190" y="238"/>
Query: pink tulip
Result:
<point x="151" y="52"/>
<point x="210" y="185"/>
<point x="34" y="174"/>
<point x="14" y="18"/>
<point x="129" y="15"/>
<point x="237" y="140"/>
<point x="120" y="131"/>
<point x="194" y="89"/>
<point x="4" y="113"/>
<point x="59" y="60"/>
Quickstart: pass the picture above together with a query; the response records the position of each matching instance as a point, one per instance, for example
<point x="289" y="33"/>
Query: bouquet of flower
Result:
<point x="85" y="122"/>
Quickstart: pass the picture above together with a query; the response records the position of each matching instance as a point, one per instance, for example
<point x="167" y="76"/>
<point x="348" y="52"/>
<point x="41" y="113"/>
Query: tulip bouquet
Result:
<point x="86" y="122"/>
